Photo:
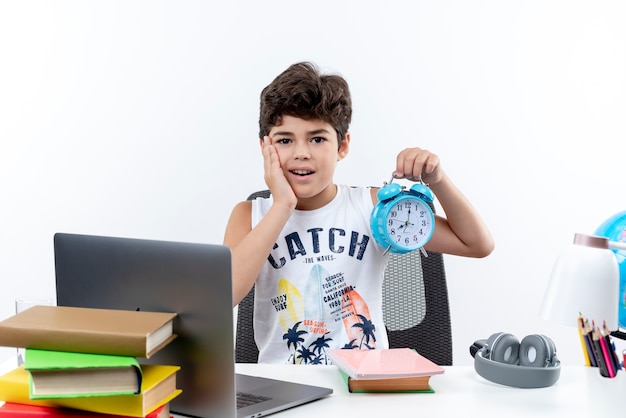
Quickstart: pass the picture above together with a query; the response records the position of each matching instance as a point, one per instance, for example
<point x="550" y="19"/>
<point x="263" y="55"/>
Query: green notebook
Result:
<point x="60" y="374"/>
<point x="375" y="385"/>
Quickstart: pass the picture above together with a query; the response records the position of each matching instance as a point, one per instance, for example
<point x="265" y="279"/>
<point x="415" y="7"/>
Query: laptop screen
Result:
<point x="193" y="280"/>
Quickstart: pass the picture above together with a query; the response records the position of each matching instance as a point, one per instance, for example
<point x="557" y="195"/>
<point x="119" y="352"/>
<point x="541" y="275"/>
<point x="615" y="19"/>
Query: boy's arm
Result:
<point x="251" y="247"/>
<point x="462" y="231"/>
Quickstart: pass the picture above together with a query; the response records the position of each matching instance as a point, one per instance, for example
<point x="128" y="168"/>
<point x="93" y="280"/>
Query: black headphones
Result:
<point x="531" y="363"/>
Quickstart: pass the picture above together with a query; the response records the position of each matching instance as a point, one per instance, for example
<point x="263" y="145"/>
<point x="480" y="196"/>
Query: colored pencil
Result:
<point x="589" y="343"/>
<point x="583" y="343"/>
<point x="607" y="336"/>
<point x="597" y="349"/>
<point x="608" y="360"/>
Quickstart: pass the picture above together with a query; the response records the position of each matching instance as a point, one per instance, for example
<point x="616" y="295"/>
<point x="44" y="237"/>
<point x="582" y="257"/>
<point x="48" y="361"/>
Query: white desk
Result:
<point x="459" y="392"/>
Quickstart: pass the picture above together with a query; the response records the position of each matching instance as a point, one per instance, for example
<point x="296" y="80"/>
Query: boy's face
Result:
<point x="308" y="151"/>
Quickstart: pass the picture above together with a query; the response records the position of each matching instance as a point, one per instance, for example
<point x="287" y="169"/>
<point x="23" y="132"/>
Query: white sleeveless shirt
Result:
<point x="321" y="286"/>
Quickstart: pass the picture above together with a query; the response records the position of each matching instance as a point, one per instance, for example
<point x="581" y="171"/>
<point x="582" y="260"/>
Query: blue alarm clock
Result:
<point x="402" y="220"/>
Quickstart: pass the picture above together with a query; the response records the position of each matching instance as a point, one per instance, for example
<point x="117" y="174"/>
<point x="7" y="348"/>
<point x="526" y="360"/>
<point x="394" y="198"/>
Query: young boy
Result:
<point x="309" y="247"/>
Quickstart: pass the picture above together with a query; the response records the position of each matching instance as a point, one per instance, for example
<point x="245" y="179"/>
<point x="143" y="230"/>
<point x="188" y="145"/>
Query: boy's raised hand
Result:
<point x="417" y="164"/>
<point x="274" y="177"/>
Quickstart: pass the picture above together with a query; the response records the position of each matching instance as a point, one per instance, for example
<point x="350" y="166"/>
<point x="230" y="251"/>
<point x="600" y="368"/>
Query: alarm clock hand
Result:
<point x="404" y="224"/>
<point x="408" y="220"/>
<point x="408" y="225"/>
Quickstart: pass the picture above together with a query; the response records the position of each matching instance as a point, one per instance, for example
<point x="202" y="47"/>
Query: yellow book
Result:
<point x="157" y="388"/>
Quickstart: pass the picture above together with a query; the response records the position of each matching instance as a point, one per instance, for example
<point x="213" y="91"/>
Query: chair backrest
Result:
<point x="415" y="308"/>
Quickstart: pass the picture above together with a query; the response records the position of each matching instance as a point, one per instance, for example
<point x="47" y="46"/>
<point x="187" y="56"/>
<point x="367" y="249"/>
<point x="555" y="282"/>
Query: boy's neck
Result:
<point x="318" y="201"/>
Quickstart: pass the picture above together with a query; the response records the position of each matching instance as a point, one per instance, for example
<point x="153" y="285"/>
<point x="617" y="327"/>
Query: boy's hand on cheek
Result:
<point x="417" y="164"/>
<point x="274" y="177"/>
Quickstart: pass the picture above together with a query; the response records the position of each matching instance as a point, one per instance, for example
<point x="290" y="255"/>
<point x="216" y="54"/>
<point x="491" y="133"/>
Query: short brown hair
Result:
<point x="303" y="91"/>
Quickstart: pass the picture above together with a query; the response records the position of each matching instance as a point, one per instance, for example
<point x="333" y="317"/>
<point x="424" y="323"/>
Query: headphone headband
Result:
<point x="514" y="375"/>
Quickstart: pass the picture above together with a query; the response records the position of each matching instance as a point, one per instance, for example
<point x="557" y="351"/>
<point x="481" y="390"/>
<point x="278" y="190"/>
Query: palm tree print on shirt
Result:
<point x="368" y="329"/>
<point x="314" y="353"/>
<point x="294" y="337"/>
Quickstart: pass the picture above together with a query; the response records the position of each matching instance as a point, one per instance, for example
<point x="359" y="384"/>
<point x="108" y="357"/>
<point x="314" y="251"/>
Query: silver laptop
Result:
<point x="193" y="280"/>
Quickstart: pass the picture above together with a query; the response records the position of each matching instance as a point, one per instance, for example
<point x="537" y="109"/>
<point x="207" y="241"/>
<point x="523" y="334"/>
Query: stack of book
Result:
<point x="385" y="370"/>
<point x="83" y="362"/>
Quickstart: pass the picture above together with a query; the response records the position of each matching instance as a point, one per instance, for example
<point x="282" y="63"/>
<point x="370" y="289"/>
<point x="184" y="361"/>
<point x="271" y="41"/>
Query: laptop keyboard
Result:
<point x="247" y="399"/>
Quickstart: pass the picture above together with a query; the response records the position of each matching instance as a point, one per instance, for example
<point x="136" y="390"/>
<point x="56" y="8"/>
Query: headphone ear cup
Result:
<point x="503" y="348"/>
<point x="537" y="351"/>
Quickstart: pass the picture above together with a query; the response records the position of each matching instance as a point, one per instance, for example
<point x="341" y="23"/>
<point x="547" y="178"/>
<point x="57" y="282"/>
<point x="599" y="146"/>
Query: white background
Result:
<point x="139" y="119"/>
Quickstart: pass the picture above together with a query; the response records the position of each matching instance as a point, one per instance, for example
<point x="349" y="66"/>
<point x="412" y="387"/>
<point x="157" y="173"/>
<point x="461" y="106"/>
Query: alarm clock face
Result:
<point x="409" y="223"/>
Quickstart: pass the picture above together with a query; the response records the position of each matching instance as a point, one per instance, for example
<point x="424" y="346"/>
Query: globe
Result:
<point x="614" y="228"/>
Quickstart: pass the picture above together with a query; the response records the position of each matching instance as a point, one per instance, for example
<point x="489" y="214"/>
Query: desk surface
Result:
<point x="459" y="391"/>
<point x="579" y="392"/>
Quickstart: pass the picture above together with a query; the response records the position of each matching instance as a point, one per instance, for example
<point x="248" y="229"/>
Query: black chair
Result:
<point x="415" y="308"/>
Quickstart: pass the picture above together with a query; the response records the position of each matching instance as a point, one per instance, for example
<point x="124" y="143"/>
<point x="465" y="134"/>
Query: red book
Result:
<point x="16" y="410"/>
